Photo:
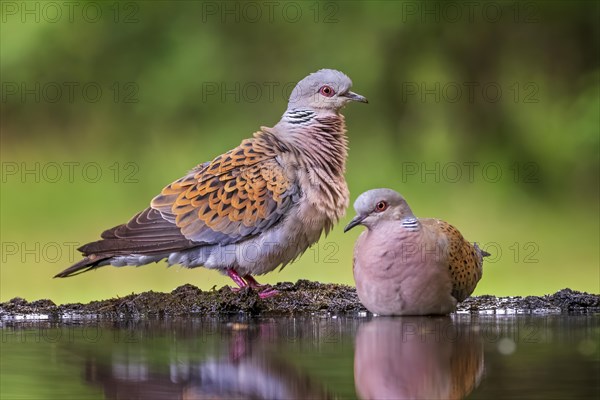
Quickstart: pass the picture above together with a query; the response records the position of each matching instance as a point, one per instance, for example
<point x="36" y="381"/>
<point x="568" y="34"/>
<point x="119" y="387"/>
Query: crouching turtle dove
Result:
<point x="405" y="265"/>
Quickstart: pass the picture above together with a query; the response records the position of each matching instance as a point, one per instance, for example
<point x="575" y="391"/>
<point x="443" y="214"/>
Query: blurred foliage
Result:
<point x="183" y="82"/>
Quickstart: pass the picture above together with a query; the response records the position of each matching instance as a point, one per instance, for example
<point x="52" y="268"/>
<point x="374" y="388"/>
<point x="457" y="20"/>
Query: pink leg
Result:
<point x="264" y="290"/>
<point x="237" y="279"/>
<point x="253" y="283"/>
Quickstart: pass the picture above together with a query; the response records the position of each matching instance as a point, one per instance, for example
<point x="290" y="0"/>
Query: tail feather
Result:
<point x="482" y="252"/>
<point x="146" y="234"/>
<point x="84" y="265"/>
<point x="99" y="253"/>
<point x="115" y="247"/>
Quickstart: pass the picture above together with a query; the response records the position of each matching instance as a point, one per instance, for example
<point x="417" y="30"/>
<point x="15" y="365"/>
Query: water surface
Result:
<point x="462" y="356"/>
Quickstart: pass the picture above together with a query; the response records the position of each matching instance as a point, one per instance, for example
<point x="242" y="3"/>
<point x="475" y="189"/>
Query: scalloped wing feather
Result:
<point x="239" y="194"/>
<point x="464" y="261"/>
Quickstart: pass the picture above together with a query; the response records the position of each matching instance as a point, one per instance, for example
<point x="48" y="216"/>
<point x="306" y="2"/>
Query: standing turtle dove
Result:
<point x="405" y="265"/>
<point x="256" y="207"/>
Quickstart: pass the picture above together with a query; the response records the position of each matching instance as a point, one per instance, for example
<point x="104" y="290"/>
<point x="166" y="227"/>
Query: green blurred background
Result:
<point x="485" y="114"/>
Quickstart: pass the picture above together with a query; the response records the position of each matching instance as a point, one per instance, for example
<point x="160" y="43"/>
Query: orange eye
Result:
<point x="326" y="91"/>
<point x="381" y="206"/>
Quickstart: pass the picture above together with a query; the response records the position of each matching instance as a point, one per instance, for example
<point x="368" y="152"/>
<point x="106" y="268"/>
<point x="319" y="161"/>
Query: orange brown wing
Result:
<point x="465" y="264"/>
<point x="464" y="261"/>
<point x="239" y="194"/>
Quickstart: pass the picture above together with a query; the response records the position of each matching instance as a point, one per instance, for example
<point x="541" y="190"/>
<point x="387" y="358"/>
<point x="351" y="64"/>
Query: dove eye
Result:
<point x="326" y="91"/>
<point x="381" y="206"/>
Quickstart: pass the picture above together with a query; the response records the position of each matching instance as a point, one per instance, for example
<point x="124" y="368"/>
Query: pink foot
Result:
<point x="264" y="291"/>
<point x="268" y="293"/>
<point x="253" y="283"/>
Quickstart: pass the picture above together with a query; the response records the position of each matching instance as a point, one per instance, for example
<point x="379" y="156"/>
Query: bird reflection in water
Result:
<point x="417" y="358"/>
<point x="246" y="368"/>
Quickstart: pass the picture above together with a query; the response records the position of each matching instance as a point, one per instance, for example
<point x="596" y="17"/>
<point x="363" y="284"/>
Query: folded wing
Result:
<point x="232" y="198"/>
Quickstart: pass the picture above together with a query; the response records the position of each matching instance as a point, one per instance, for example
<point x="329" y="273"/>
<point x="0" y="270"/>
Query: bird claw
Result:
<point x="254" y="284"/>
<point x="264" y="291"/>
<point x="268" y="293"/>
<point x="260" y="287"/>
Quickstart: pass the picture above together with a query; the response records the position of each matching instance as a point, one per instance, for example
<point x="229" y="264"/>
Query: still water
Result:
<point x="462" y="356"/>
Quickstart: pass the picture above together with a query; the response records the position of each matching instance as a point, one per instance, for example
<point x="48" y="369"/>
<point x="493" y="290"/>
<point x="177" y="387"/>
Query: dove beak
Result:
<point x="355" y="97"/>
<point x="355" y="221"/>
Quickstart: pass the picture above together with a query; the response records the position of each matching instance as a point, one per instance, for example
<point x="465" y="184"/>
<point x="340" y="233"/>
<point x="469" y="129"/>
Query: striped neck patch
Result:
<point x="410" y="223"/>
<point x="298" y="116"/>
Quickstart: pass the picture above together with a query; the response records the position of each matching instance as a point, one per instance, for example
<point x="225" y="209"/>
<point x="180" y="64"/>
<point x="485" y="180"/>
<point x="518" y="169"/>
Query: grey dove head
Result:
<point x="378" y="205"/>
<point x="326" y="89"/>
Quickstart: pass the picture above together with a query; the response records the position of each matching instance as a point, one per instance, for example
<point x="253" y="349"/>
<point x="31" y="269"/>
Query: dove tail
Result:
<point x="84" y="265"/>
<point x="482" y="252"/>
<point x="146" y="238"/>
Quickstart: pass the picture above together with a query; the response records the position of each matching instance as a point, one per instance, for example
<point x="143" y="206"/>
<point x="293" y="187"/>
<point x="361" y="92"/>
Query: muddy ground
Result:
<point x="302" y="297"/>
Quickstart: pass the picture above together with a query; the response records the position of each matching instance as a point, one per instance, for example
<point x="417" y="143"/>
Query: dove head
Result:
<point x="378" y="205"/>
<point x="326" y="89"/>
